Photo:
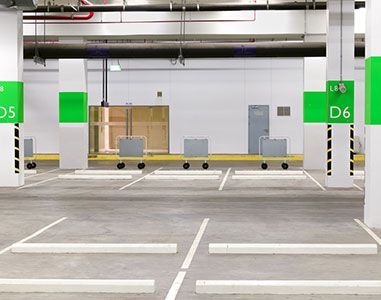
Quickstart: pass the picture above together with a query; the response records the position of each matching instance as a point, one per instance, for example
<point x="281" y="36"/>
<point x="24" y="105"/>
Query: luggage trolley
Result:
<point x="195" y="148"/>
<point x="131" y="147"/>
<point x="29" y="152"/>
<point x="277" y="146"/>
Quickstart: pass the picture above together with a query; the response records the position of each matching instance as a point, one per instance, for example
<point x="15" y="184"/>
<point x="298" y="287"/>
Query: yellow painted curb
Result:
<point x="179" y="157"/>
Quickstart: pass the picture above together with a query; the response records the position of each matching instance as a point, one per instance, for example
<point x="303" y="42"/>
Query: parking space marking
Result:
<point x="37" y="183"/>
<point x="176" y="286"/>
<point x="108" y="172"/>
<point x="38" y="232"/>
<point x="289" y="287"/>
<point x="94" y="177"/>
<point x="16" y="285"/>
<point x="39" y="174"/>
<point x="81" y="248"/>
<point x="188" y="172"/>
<point x="224" y="180"/>
<point x="196" y="242"/>
<point x="269" y="177"/>
<point x="310" y="249"/>
<point x="316" y="182"/>
<point x="358" y="187"/>
<point x="137" y="180"/>
<point x="182" y="177"/>
<point x="369" y="231"/>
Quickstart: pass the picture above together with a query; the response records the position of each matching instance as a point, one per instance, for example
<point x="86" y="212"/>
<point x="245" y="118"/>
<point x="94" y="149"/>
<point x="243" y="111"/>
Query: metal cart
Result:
<point x="195" y="148"/>
<point x="29" y="152"/>
<point x="274" y="147"/>
<point x="131" y="147"/>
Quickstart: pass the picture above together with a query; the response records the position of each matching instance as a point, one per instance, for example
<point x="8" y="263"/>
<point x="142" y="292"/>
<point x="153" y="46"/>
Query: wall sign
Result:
<point x="11" y="102"/>
<point x="340" y="102"/>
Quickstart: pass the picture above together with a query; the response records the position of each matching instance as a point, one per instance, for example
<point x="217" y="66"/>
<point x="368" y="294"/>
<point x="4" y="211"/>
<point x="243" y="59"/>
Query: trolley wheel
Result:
<point x="186" y="166"/>
<point x="121" y="165"/>
<point x="34" y="165"/>
<point x="29" y="166"/>
<point x="205" y="165"/>
<point x="141" y="165"/>
<point x="285" y="166"/>
<point x="264" y="166"/>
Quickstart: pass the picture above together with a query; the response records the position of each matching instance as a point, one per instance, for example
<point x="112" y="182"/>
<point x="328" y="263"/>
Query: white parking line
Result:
<point x="108" y="172"/>
<point x="314" y="180"/>
<point x="196" y="242"/>
<point x="76" y="286"/>
<point x="37" y="183"/>
<point x="39" y="174"/>
<point x="137" y="180"/>
<point x="358" y="187"/>
<point x="38" y="232"/>
<point x="176" y="286"/>
<point x="310" y="249"/>
<point x="94" y="177"/>
<point x="289" y="287"/>
<point x="80" y="248"/>
<point x="369" y="231"/>
<point x="224" y="180"/>
<point x="182" y="177"/>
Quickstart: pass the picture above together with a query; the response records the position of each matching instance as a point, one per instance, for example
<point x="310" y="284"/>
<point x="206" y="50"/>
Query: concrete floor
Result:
<point x="281" y="211"/>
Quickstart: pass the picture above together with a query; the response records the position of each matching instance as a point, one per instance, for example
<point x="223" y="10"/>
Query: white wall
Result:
<point x="206" y="97"/>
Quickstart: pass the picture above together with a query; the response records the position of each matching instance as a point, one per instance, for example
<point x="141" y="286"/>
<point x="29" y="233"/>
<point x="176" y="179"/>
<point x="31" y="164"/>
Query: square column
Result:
<point x="315" y="113"/>
<point x="372" y="211"/>
<point x="11" y="99"/>
<point x="340" y="93"/>
<point x="73" y="114"/>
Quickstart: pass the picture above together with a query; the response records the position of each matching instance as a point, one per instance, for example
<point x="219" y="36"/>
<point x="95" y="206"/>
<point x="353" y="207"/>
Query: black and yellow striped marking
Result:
<point x="352" y="149"/>
<point x="329" y="150"/>
<point x="17" y="148"/>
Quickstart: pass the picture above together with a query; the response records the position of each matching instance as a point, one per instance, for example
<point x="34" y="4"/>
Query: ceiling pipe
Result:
<point x="319" y="5"/>
<point x="190" y="50"/>
<point x="74" y="17"/>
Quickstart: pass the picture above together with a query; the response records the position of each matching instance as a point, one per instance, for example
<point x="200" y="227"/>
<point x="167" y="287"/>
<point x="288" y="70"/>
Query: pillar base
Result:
<point x="74" y="145"/>
<point x="372" y="208"/>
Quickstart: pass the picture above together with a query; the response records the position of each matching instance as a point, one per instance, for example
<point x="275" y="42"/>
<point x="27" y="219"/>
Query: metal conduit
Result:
<point x="320" y="5"/>
<point x="190" y="50"/>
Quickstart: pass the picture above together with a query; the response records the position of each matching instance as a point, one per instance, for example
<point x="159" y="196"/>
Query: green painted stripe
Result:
<point x="373" y="91"/>
<point x="11" y="102"/>
<point x="73" y="107"/>
<point x="315" y="107"/>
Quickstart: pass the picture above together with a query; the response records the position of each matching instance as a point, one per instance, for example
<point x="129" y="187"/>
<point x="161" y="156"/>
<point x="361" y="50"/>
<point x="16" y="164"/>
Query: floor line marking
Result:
<point x="37" y="183"/>
<point x="38" y="232"/>
<point x="224" y="180"/>
<point x="369" y="231"/>
<point x="137" y="180"/>
<point x="196" y="242"/>
<point x="39" y="174"/>
<point x="314" y="180"/>
<point x="176" y="285"/>
<point x="358" y="187"/>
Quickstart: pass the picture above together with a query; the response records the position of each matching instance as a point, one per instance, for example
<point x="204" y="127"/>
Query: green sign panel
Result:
<point x="11" y="102"/>
<point x="73" y="107"/>
<point x="340" y="101"/>
<point x="315" y="110"/>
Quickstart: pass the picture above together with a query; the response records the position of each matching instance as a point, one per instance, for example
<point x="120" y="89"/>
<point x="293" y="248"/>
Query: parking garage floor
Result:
<point x="175" y="211"/>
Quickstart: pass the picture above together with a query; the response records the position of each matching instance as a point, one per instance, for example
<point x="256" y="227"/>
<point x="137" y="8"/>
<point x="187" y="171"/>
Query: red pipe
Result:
<point x="59" y="17"/>
<point x="136" y="22"/>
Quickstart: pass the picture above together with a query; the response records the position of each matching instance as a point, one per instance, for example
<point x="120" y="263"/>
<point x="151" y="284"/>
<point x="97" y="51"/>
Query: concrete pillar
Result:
<point x="11" y="99"/>
<point x="73" y="114"/>
<point x="340" y="93"/>
<point x="315" y="112"/>
<point x="373" y="115"/>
